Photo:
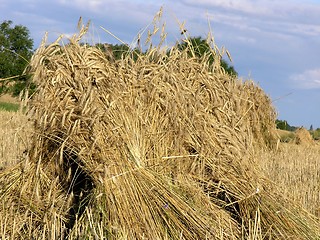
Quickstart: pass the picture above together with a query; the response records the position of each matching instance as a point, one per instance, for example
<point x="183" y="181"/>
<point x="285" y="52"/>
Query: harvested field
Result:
<point x="285" y="136"/>
<point x="296" y="170"/>
<point x="15" y="132"/>
<point x="158" y="147"/>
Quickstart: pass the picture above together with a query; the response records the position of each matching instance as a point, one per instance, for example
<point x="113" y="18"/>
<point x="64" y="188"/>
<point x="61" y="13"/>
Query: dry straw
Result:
<point x="160" y="147"/>
<point x="303" y="137"/>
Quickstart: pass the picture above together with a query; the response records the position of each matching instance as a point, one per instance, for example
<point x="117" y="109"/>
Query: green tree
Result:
<point x="16" y="48"/>
<point x="311" y="128"/>
<point x="316" y="134"/>
<point x="284" y="125"/>
<point x="199" y="48"/>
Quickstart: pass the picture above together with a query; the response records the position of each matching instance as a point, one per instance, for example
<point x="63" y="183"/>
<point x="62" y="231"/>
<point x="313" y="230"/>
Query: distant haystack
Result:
<point x="303" y="137"/>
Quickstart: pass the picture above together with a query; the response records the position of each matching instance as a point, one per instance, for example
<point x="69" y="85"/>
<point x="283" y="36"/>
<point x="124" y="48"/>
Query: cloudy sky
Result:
<point x="275" y="43"/>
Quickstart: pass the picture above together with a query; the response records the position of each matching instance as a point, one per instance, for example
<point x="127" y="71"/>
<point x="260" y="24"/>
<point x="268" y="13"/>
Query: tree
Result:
<point x="16" y="48"/>
<point x="311" y="128"/>
<point x="316" y="134"/>
<point x="284" y="125"/>
<point x="200" y="47"/>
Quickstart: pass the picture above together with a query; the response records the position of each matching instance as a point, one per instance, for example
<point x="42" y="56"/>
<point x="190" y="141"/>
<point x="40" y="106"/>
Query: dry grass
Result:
<point x="9" y="99"/>
<point x="158" y="148"/>
<point x="285" y="136"/>
<point x="303" y="137"/>
<point x="296" y="170"/>
<point x="15" y="134"/>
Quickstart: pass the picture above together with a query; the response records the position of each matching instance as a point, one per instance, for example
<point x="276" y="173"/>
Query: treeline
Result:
<point x="284" y="125"/>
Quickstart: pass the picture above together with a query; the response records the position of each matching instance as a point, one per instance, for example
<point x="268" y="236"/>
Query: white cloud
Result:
<point x="261" y="8"/>
<point x="288" y="16"/>
<point x="106" y="8"/>
<point x="237" y="21"/>
<point x="309" y="79"/>
<point x="35" y="18"/>
<point x="244" y="6"/>
<point x="246" y="39"/>
<point x="306" y="29"/>
<point x="92" y="5"/>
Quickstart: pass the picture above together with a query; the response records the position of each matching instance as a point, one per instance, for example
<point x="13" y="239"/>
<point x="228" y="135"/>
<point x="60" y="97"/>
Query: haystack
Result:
<point x="303" y="137"/>
<point x="158" y="147"/>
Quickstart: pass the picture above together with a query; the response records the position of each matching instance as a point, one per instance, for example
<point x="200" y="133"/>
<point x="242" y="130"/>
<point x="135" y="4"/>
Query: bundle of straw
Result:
<point x="303" y="137"/>
<point x="158" y="147"/>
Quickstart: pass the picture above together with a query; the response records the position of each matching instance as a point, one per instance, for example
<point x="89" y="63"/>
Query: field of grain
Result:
<point x="14" y="137"/>
<point x="162" y="145"/>
<point x="296" y="170"/>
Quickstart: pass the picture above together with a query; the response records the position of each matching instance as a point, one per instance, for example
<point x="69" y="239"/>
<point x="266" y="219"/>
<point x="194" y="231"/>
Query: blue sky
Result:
<point x="275" y="43"/>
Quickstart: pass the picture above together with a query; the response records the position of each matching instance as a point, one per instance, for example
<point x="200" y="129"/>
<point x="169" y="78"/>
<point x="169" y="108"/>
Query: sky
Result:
<point x="275" y="43"/>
